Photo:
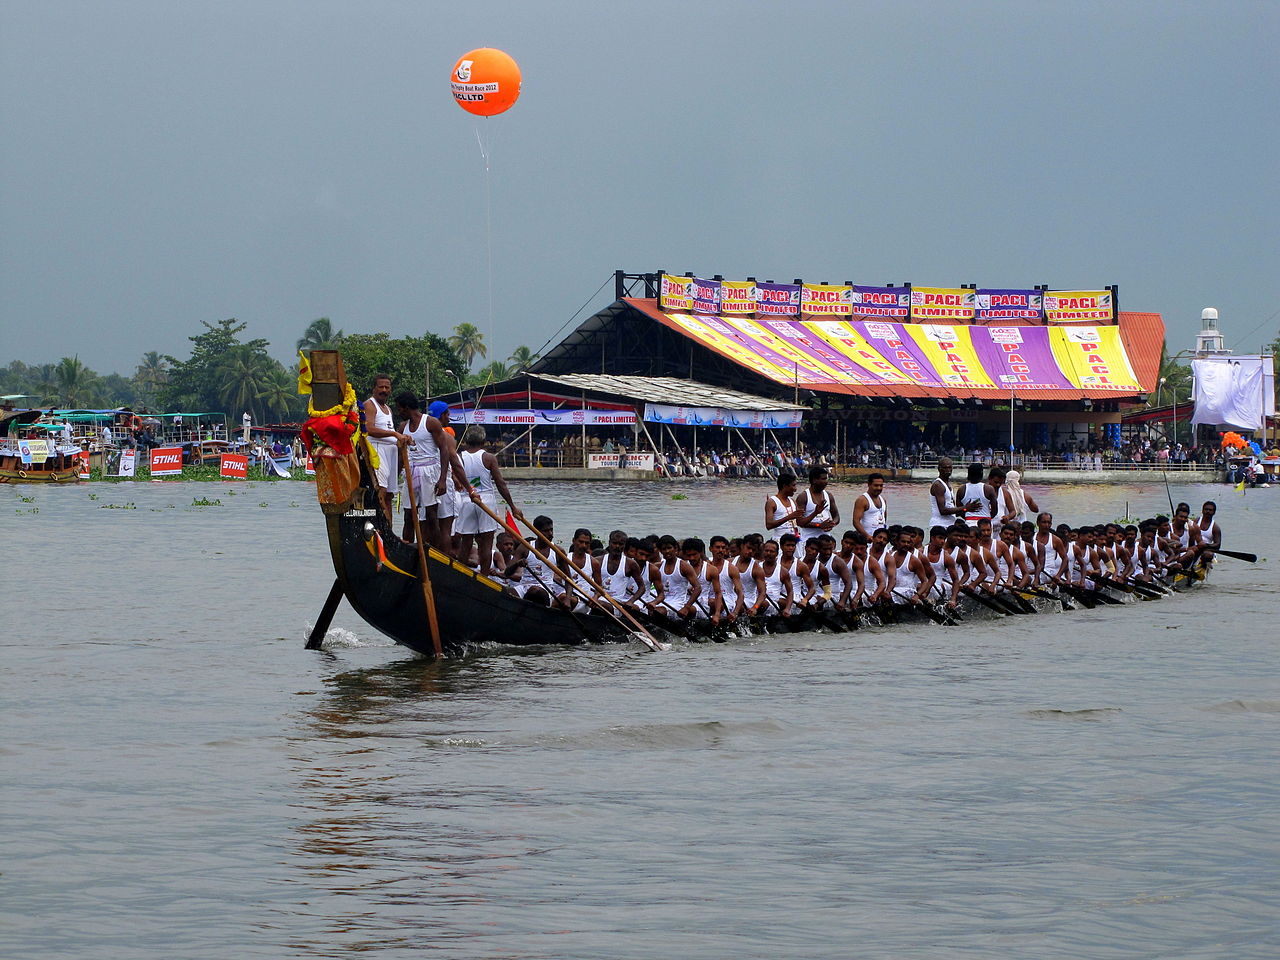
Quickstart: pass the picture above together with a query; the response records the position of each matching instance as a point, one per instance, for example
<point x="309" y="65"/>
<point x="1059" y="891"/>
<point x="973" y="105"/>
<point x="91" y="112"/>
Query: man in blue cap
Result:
<point x="447" y="505"/>
<point x="431" y="466"/>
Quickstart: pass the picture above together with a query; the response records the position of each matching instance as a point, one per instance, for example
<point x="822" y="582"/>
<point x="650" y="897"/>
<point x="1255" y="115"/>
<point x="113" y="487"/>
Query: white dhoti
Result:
<point x="471" y="519"/>
<point x="387" y="475"/>
<point x="425" y="476"/>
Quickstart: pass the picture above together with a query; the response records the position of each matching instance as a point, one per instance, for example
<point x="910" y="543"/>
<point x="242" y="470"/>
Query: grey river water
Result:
<point x="183" y="780"/>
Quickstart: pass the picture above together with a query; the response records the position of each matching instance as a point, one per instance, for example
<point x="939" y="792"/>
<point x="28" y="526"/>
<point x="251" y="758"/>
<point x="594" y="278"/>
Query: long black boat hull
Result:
<point x="379" y="576"/>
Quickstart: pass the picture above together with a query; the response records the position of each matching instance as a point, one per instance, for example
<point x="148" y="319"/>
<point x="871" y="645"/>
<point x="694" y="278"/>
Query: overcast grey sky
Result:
<point x="167" y="162"/>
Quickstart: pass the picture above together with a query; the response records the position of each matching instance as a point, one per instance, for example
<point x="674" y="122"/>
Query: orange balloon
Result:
<point x="485" y="82"/>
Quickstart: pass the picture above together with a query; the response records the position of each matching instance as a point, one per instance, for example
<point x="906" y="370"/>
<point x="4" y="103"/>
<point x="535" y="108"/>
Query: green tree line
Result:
<point x="225" y="372"/>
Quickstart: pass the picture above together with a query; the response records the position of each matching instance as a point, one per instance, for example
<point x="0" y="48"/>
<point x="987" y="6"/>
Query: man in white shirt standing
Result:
<point x="380" y="425"/>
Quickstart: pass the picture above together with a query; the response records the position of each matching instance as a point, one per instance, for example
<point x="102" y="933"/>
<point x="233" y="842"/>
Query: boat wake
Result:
<point x="336" y="638"/>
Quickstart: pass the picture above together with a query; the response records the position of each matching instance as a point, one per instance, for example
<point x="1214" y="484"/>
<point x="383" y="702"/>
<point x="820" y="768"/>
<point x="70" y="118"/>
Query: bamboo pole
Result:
<point x="428" y="594"/>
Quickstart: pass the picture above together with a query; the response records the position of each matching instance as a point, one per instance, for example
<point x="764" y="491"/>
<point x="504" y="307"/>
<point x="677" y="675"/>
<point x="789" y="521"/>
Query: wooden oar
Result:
<point x="985" y="599"/>
<point x="1003" y="601"/>
<point x="326" y="616"/>
<point x="1097" y="595"/>
<point x="1246" y="557"/>
<point x="1041" y="592"/>
<point x="646" y="637"/>
<point x="926" y="606"/>
<point x="1023" y="603"/>
<point x="1134" y="586"/>
<point x="428" y="595"/>
<point x="586" y="634"/>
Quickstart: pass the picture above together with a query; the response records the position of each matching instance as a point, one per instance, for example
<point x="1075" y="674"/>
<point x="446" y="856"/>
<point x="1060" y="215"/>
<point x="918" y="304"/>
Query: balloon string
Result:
<point x="488" y="225"/>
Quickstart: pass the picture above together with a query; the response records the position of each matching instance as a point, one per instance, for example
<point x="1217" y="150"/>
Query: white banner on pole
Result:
<point x="1233" y="391"/>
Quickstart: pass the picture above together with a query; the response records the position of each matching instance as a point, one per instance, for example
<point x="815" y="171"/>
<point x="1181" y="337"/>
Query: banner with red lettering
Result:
<point x="1093" y="358"/>
<point x="235" y="466"/>
<point x="1009" y="305"/>
<point x="899" y="348"/>
<point x="826" y="299"/>
<point x="1020" y="358"/>
<point x="1075" y="306"/>
<point x="778" y="299"/>
<point x="949" y="348"/>
<point x="706" y="296"/>
<point x="737" y="297"/>
<point x="893" y="303"/>
<point x="676" y="293"/>
<point x="942" y="303"/>
<point x="962" y="357"/>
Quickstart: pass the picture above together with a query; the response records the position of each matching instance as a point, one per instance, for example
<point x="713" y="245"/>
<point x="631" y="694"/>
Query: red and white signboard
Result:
<point x="311" y="466"/>
<point x="235" y="466"/>
<point x="166" y="462"/>
<point x="82" y="460"/>
<point x="128" y="462"/>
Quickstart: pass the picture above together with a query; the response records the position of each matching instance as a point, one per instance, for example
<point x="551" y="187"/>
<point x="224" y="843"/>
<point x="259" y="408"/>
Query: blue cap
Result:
<point x="437" y="408"/>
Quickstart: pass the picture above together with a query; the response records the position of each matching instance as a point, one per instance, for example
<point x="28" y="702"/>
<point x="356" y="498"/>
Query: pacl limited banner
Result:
<point x="1093" y="358"/>
<point x="942" y="303"/>
<point x="778" y="299"/>
<point x="676" y="293"/>
<point x="706" y="296"/>
<point x="737" y="297"/>
<point x="1074" y="306"/>
<point x="1019" y="358"/>
<point x="893" y="303"/>
<point x="1009" y="305"/>
<point x="826" y="299"/>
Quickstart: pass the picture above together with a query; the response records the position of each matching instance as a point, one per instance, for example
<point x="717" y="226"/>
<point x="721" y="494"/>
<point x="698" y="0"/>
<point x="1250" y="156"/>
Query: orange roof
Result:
<point x="1141" y="333"/>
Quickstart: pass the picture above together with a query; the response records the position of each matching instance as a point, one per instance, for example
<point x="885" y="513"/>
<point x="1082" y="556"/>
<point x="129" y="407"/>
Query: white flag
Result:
<point x="1233" y="391"/>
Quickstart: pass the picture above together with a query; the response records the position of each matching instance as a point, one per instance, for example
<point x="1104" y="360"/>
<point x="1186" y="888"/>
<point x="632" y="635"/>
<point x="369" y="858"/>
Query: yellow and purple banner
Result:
<point x="952" y="358"/>
<point x="706" y="296"/>
<point x="890" y="303"/>
<point x="1093" y="358"/>
<point x="778" y="299"/>
<point x="826" y="299"/>
<point x="930" y="304"/>
<point x="993" y="304"/>
<point x="737" y="297"/>
<point x="1075" y="306"/>
<point x="950" y="350"/>
<point x="676" y="293"/>
<point x="1019" y="358"/>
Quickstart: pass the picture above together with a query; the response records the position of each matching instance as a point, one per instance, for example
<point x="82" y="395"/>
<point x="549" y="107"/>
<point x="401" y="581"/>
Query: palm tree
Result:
<point x="44" y="383"/>
<point x="468" y="342"/>
<point x="151" y="375"/>
<point x="521" y="359"/>
<point x="491" y="373"/>
<point x="241" y="376"/>
<point x="76" y="382"/>
<point x="320" y="335"/>
<point x="279" y="393"/>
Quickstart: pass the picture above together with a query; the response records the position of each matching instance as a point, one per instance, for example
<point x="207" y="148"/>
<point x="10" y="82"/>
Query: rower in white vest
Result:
<point x="871" y="509"/>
